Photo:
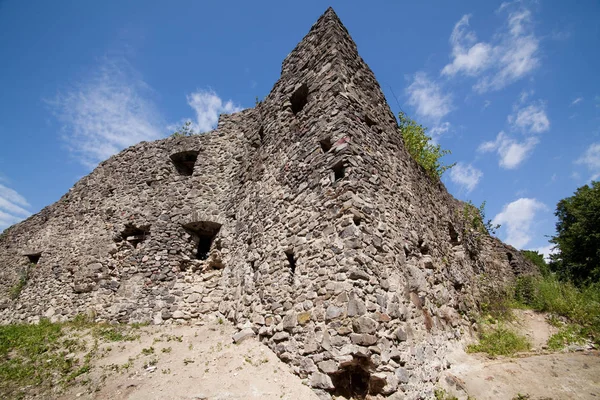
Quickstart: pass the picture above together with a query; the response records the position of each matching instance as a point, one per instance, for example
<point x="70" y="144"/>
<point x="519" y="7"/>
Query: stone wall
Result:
<point x="332" y="244"/>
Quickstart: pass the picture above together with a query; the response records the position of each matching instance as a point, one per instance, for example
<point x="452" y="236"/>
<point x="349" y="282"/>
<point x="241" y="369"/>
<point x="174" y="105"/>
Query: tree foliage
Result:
<point x="419" y="145"/>
<point x="578" y="236"/>
<point x="538" y="259"/>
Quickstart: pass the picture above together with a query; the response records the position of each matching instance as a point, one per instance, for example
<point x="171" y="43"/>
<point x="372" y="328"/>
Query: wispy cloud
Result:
<point x="591" y="159"/>
<point x="107" y="112"/>
<point x="469" y="56"/>
<point x="208" y="106"/>
<point x="466" y="176"/>
<point x="113" y="109"/>
<point x="516" y="218"/>
<point x="576" y="101"/>
<point x="530" y="119"/>
<point x="510" y="151"/>
<point x="511" y="54"/>
<point x="12" y="207"/>
<point x="428" y="99"/>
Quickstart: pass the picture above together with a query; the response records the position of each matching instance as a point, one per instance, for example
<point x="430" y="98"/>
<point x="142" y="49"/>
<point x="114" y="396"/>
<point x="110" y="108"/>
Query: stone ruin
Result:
<point x="303" y="220"/>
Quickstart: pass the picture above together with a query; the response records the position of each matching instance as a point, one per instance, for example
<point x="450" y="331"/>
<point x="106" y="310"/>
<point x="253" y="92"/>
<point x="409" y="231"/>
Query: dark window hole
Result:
<point x="291" y="262"/>
<point x="326" y="144"/>
<point x="203" y="234"/>
<point x="370" y="122"/>
<point x="339" y="171"/>
<point x="299" y="98"/>
<point x="261" y="134"/>
<point x="135" y="235"/>
<point x="453" y="234"/>
<point x="357" y="220"/>
<point x="510" y="257"/>
<point x="184" y="161"/>
<point x="354" y="381"/>
<point x="34" y="258"/>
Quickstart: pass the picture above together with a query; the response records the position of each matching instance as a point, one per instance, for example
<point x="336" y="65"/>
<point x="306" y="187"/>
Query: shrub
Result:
<point x="420" y="148"/>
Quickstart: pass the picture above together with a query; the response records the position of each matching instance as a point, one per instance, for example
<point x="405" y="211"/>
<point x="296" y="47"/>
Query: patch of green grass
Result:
<point x="499" y="341"/>
<point x="441" y="394"/>
<point x="148" y="351"/>
<point x="33" y="355"/>
<point x="16" y="290"/>
<point x="567" y="335"/>
<point x="114" y="333"/>
<point x="581" y="306"/>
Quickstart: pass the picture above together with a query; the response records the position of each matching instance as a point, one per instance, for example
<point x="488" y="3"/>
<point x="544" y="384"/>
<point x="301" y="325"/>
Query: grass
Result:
<point x="499" y="341"/>
<point x="567" y="335"/>
<point x="581" y="306"/>
<point x="43" y="357"/>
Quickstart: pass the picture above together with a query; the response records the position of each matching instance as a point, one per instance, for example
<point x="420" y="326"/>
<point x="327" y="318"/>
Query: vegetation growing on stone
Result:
<point x="185" y="130"/>
<point x="419" y="145"/>
<point x="474" y="218"/>
<point x="499" y="341"/>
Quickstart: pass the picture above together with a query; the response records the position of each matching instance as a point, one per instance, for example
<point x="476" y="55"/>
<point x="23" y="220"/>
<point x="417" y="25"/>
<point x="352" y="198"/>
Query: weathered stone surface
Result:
<point x="321" y="229"/>
<point x="243" y="335"/>
<point x="364" y="325"/>
<point x="321" y="381"/>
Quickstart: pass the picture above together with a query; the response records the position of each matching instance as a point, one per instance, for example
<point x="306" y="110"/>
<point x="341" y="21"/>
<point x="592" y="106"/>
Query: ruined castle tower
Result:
<point x="304" y="220"/>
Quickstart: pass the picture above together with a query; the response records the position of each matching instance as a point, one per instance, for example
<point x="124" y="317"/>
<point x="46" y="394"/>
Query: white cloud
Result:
<point x="469" y="57"/>
<point x="531" y="119"/>
<point x="516" y="218"/>
<point x="591" y="159"/>
<point x="510" y="151"/>
<point x="508" y="57"/>
<point x="107" y="112"/>
<point x="208" y="106"/>
<point x="577" y="101"/>
<point x="465" y="175"/>
<point x="428" y="99"/>
<point x="546" y="251"/>
<point x="12" y="207"/>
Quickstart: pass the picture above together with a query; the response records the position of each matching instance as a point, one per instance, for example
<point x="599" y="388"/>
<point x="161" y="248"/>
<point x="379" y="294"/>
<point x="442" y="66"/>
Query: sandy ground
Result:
<point x="538" y="374"/>
<point x="189" y="362"/>
<point x="202" y="362"/>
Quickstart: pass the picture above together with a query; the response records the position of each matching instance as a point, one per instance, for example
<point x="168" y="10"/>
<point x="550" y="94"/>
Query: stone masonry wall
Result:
<point x="332" y="244"/>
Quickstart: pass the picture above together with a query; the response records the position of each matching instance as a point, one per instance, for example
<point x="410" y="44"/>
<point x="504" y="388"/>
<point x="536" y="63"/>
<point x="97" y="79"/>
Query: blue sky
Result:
<point x="511" y="88"/>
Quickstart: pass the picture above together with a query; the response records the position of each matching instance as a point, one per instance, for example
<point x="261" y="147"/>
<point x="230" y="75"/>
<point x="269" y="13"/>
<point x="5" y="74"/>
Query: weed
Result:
<point x="499" y="341"/>
<point x="567" y="335"/>
<point x="187" y="361"/>
<point x="220" y="321"/>
<point x="191" y="347"/>
<point x="441" y="394"/>
<point x="166" y="349"/>
<point x="16" y="290"/>
<point x="148" y="351"/>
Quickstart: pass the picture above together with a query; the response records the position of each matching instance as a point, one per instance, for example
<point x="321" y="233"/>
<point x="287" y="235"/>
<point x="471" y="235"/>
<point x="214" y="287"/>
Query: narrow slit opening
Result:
<point x="339" y="171"/>
<point x="135" y="235"/>
<point x="299" y="98"/>
<point x="291" y="262"/>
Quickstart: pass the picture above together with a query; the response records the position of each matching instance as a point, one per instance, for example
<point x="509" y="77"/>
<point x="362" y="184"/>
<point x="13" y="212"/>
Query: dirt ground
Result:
<point x="192" y="363"/>
<point x="202" y="362"/>
<point x="538" y="374"/>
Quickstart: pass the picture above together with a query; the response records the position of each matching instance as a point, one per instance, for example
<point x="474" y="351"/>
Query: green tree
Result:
<point x="419" y="145"/>
<point x="578" y="236"/>
<point x="537" y="259"/>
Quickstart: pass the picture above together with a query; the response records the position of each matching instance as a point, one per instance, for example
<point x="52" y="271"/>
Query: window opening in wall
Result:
<point x="354" y="381"/>
<point x="203" y="233"/>
<point x="326" y="144"/>
<point x="453" y="234"/>
<point x="261" y="134"/>
<point x="135" y="235"/>
<point x="34" y="258"/>
<point x="299" y="98"/>
<point x="291" y="262"/>
<point x="356" y="219"/>
<point x="369" y="121"/>
<point x="184" y="161"/>
<point x="339" y="171"/>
